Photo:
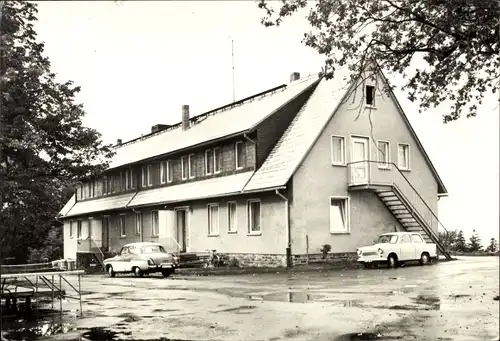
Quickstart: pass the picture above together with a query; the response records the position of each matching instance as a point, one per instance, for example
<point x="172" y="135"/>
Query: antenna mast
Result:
<point x="232" y="60"/>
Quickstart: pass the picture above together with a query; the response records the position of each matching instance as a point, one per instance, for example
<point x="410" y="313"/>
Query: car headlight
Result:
<point x="359" y="252"/>
<point x="380" y="251"/>
<point x="151" y="262"/>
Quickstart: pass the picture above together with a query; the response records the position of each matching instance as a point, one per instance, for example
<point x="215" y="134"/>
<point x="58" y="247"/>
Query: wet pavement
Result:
<point x="445" y="301"/>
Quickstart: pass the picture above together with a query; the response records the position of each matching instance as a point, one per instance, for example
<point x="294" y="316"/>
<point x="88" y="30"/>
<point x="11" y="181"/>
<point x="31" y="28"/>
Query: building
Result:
<point x="269" y="179"/>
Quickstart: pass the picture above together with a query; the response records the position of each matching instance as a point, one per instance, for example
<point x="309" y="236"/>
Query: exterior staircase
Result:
<point x="400" y="197"/>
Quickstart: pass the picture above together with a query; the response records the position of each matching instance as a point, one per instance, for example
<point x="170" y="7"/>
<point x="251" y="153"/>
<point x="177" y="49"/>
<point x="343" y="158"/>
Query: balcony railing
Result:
<point x="373" y="173"/>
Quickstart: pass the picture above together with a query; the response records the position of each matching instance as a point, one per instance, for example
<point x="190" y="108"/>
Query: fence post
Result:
<point x="307" y="249"/>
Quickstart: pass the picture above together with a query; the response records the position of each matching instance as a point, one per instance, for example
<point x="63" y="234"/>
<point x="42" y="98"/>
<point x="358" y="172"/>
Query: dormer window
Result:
<point x="370" y="95"/>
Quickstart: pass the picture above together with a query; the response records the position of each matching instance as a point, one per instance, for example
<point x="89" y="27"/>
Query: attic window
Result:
<point x="370" y="95"/>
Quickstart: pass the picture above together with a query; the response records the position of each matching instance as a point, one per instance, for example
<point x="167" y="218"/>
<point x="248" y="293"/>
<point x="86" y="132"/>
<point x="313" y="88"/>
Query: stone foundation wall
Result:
<point x="256" y="260"/>
<point x="312" y="258"/>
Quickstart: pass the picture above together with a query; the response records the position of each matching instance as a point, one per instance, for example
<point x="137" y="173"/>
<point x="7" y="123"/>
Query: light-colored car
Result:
<point x="397" y="247"/>
<point x="140" y="259"/>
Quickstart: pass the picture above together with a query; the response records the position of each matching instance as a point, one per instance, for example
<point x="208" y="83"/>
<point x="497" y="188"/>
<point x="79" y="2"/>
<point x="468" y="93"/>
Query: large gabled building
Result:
<point x="269" y="179"/>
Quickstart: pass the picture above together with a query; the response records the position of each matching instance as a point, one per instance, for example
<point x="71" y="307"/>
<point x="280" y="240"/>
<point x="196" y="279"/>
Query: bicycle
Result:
<point x="213" y="260"/>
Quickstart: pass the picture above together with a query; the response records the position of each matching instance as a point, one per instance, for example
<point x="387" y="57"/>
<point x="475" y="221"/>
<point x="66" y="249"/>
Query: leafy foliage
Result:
<point x="474" y="243"/>
<point x="455" y="44"/>
<point x="460" y="244"/>
<point x="325" y="250"/>
<point x="492" y="247"/>
<point x="44" y="148"/>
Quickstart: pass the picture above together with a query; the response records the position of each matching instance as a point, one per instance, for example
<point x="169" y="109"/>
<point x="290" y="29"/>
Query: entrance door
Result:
<point x="105" y="234"/>
<point x="181" y="221"/>
<point x="359" y="158"/>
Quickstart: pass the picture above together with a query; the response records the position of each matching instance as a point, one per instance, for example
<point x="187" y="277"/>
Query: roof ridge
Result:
<point x="200" y="117"/>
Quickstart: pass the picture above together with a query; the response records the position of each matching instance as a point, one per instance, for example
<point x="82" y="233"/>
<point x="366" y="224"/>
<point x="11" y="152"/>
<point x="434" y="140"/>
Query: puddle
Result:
<point x="100" y="334"/>
<point x="433" y="302"/>
<point x="34" y="325"/>
<point x="237" y="310"/>
<point x="365" y="337"/>
<point x="301" y="297"/>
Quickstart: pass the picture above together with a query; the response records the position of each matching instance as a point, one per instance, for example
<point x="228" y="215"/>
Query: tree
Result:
<point x="448" y="240"/>
<point x="455" y="43"/>
<point x="474" y="243"/>
<point x="44" y="148"/>
<point x="460" y="244"/>
<point x="492" y="247"/>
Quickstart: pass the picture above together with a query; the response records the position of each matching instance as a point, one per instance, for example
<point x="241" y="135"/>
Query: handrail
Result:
<point x="179" y="247"/>
<point x="388" y="168"/>
<point x="409" y="183"/>
<point x="101" y="260"/>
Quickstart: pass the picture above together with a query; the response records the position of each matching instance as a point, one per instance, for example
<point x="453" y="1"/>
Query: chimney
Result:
<point x="119" y="142"/>
<point x="294" y="76"/>
<point x="185" y="117"/>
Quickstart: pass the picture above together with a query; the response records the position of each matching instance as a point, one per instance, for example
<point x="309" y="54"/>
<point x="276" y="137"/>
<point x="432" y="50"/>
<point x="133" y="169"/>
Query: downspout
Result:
<point x="287" y="227"/>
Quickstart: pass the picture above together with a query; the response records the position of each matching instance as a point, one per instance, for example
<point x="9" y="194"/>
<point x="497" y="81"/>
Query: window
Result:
<point x="144" y="176"/>
<point x="150" y="175"/>
<point x="239" y="155"/>
<point x="192" y="167"/>
<point x="169" y="171"/>
<point x="89" y="190"/>
<point x="339" y="216"/>
<point x="163" y="171"/>
<point x="81" y="191"/>
<point x="217" y="160"/>
<point x="110" y="184"/>
<point x="253" y="212"/>
<point x="184" y="167"/>
<point x="231" y="217"/>
<point x="213" y="219"/>
<point x="78" y="229"/>
<point x="132" y="179"/>
<point x="105" y="185"/>
<point x="404" y="156"/>
<point x="209" y="162"/>
<point x="338" y="150"/>
<point x="94" y="187"/>
<point x="71" y="223"/>
<point x="405" y="239"/>
<point x="122" y="181"/>
<point x="155" y="223"/>
<point x="138" y="223"/>
<point x="415" y="238"/>
<point x="370" y="95"/>
<point x="123" y="231"/>
<point x="127" y="179"/>
<point x="383" y="154"/>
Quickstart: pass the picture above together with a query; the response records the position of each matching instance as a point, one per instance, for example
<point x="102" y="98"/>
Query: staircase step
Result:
<point x="389" y="198"/>
<point x="408" y="220"/>
<point x="405" y="211"/>
<point x="403" y="215"/>
<point x="393" y="207"/>
<point x="385" y="193"/>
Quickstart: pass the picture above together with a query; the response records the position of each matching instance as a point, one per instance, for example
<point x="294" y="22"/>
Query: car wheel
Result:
<point x="367" y="265"/>
<point x="111" y="272"/>
<point x="392" y="261"/>
<point x="166" y="273"/>
<point x="138" y="272"/>
<point x="424" y="259"/>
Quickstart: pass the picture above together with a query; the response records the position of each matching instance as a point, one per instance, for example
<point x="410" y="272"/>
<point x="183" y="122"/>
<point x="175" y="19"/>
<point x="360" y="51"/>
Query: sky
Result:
<point x="138" y="62"/>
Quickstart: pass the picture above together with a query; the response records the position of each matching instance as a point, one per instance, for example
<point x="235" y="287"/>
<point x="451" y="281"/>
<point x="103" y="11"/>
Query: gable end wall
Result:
<point x="317" y="179"/>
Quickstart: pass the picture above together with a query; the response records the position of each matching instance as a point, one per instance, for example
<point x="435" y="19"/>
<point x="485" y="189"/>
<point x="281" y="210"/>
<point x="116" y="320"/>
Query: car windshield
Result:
<point x="152" y="249"/>
<point x="388" y="238"/>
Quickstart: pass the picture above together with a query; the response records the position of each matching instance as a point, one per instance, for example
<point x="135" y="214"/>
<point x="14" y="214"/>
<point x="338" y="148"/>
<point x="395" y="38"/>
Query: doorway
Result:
<point x="105" y="234"/>
<point x="181" y="218"/>
<point x="359" y="159"/>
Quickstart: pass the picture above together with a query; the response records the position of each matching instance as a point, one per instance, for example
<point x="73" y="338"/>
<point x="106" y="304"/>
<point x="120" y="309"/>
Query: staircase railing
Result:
<point x="379" y="173"/>
<point x="97" y="251"/>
